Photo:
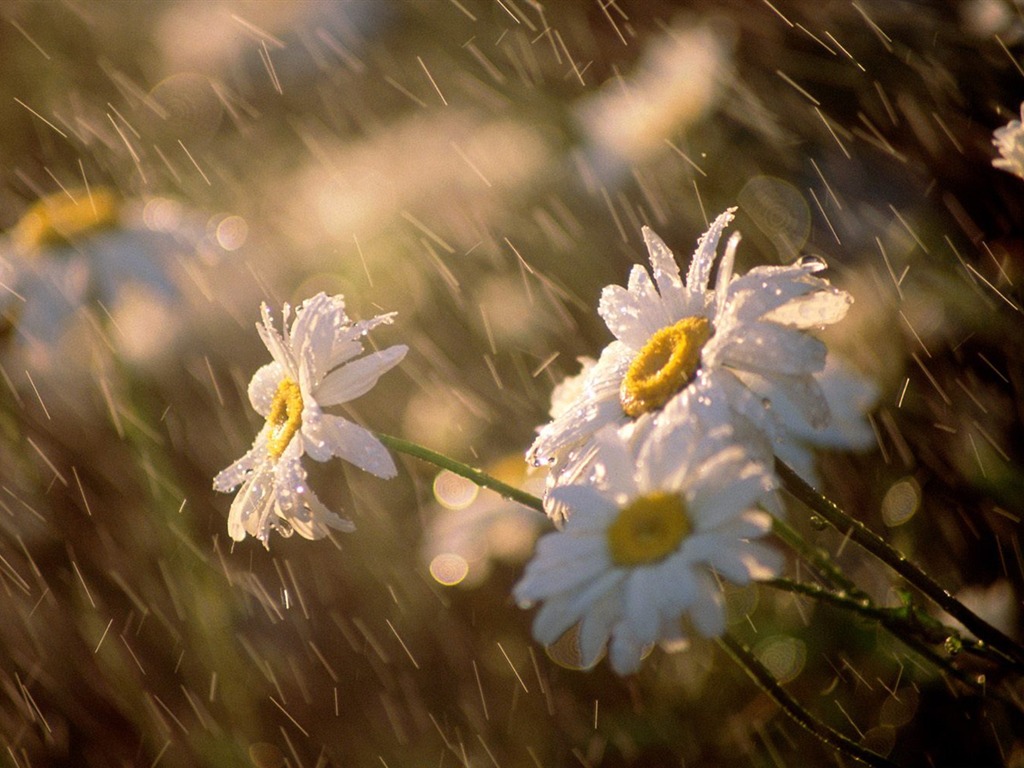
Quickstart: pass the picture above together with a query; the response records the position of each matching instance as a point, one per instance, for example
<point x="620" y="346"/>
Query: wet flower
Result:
<point x="674" y="338"/>
<point x="315" y="365"/>
<point x="1009" y="140"/>
<point x="82" y="249"/>
<point x="635" y="562"/>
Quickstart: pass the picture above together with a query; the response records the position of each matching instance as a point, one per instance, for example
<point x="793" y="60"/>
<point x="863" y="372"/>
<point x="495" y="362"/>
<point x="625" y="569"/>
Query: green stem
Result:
<point x="760" y="674"/>
<point x="873" y="543"/>
<point x="905" y="621"/>
<point x="464" y="470"/>
<point x="905" y="625"/>
<point x="816" y="557"/>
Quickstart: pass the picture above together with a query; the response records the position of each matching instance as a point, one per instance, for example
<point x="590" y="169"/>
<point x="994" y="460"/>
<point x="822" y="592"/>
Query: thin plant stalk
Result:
<point x="873" y="543"/>
<point x="463" y="470"/>
<point x="816" y="557"/>
<point x="743" y="656"/>
<point x="904" y="622"/>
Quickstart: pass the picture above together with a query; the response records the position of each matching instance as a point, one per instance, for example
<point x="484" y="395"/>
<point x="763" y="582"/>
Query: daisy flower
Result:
<point x="315" y="366"/>
<point x="635" y="562"/>
<point x="1009" y="140"/>
<point x="74" y="250"/>
<point x="674" y="337"/>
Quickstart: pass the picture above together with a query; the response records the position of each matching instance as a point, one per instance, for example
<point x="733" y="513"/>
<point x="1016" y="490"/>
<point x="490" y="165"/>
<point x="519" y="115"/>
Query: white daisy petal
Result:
<point x="263" y="386"/>
<point x="278" y="348"/>
<point x="591" y="503"/>
<point x="708" y="613"/>
<point x="767" y="347"/>
<point x="704" y="256"/>
<point x="663" y="263"/>
<point x="626" y="650"/>
<point x="727" y="489"/>
<point x="354" y="444"/>
<point x="319" y="520"/>
<point x="596" y="627"/>
<point x="231" y="477"/>
<point x="312" y="336"/>
<point x="640" y="611"/>
<point x="597" y="407"/>
<point x="359" y="376"/>
<point x="620" y="310"/>
<point x="819" y="309"/>
<point x="346" y="340"/>
<point x="569" y="607"/>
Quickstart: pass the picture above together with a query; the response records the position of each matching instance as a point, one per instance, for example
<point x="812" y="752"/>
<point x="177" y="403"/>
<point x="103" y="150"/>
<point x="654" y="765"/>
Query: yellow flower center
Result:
<point x="648" y="529"/>
<point x="664" y="366"/>
<point x="58" y="218"/>
<point x="285" y="417"/>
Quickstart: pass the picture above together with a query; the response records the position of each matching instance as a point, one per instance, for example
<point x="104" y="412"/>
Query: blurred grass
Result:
<point x="484" y="168"/>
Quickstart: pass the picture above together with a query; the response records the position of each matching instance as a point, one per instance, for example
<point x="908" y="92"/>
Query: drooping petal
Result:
<point x="316" y="524"/>
<point x="357" y="377"/>
<point x="356" y="445"/>
<point x="232" y="476"/>
<point x="252" y="507"/>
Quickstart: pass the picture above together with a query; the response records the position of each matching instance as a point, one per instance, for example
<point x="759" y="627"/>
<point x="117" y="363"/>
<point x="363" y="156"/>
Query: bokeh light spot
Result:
<point x="232" y="232"/>
<point x="901" y="502"/>
<point x="784" y="656"/>
<point x="449" y="569"/>
<point x="265" y="755"/>
<point x="565" y="651"/>
<point x="453" y="491"/>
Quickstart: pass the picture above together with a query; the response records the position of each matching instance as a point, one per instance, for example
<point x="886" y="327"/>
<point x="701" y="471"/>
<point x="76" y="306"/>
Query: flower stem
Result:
<point x="873" y="543"/>
<point x="817" y="558"/>
<point x="764" y="678"/>
<point x="463" y="470"/>
<point x="905" y="622"/>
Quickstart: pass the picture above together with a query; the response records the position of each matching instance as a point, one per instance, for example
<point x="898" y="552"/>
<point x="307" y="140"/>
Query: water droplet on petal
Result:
<point x="811" y="263"/>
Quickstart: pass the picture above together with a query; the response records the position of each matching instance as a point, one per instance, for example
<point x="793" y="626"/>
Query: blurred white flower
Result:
<point x="467" y="531"/>
<point x="677" y="81"/>
<point x="1009" y="140"/>
<point x="644" y="540"/>
<point x="675" y="339"/>
<point x="313" y="368"/>
<point x="74" y="252"/>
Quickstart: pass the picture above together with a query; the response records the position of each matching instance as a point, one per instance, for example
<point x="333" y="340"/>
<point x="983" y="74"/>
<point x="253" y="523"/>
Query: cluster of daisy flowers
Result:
<point x="659" y="455"/>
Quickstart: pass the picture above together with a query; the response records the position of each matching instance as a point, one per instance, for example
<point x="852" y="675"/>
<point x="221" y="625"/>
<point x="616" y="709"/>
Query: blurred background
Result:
<point x="483" y="167"/>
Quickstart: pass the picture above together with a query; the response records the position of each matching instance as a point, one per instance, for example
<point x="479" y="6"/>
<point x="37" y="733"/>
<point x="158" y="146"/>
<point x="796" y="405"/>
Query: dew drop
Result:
<point x="811" y="263"/>
<point x="953" y="645"/>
